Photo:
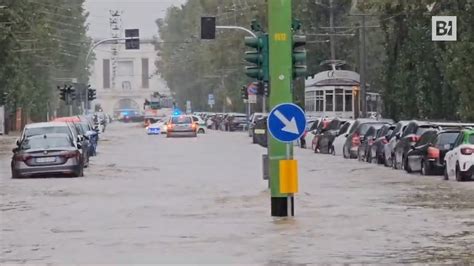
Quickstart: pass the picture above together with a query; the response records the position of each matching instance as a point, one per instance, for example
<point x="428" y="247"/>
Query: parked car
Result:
<point x="252" y="120"/>
<point x="53" y="153"/>
<point x="341" y="136"/>
<point x="236" y="122"/>
<point x="49" y="128"/>
<point x="410" y="136"/>
<point x="327" y="136"/>
<point x="376" y="152"/>
<point x="459" y="161"/>
<point x="201" y="124"/>
<point x="307" y="138"/>
<point x="181" y="125"/>
<point x="80" y="134"/>
<point x="356" y="136"/>
<point x="367" y="141"/>
<point x="427" y="155"/>
<point x="260" y="132"/>
<point x="393" y="139"/>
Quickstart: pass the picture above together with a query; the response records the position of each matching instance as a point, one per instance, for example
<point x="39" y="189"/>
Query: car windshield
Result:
<point x="470" y="139"/>
<point x="422" y="130"/>
<point x="45" y="143"/>
<point x="240" y="118"/>
<point x="447" y="138"/>
<point x="84" y="126"/>
<point x="365" y="127"/>
<point x="46" y="130"/>
<point x="181" y="120"/>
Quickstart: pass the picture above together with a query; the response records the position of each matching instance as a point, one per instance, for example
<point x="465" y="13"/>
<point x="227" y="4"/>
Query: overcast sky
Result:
<point x="139" y="14"/>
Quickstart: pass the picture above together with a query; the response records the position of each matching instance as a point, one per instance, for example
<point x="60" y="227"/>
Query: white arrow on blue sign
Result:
<point x="286" y="122"/>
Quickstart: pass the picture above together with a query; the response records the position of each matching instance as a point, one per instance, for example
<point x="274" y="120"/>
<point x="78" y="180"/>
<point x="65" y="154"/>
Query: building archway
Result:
<point x="126" y="105"/>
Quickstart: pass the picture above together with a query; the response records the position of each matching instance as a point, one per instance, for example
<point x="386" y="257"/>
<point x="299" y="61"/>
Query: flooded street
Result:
<point x="149" y="199"/>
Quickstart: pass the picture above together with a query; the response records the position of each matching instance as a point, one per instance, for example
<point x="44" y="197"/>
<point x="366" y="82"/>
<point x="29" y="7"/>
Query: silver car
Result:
<point x="181" y="126"/>
<point x="49" y="154"/>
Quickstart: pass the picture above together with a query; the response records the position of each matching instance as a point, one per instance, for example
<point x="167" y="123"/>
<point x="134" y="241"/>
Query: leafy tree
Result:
<point x="41" y="41"/>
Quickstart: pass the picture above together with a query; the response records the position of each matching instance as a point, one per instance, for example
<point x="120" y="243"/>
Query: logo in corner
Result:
<point x="444" y="28"/>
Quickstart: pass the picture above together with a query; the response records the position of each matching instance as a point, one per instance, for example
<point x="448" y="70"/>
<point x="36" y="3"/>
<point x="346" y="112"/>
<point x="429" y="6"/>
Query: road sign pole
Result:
<point x="280" y="43"/>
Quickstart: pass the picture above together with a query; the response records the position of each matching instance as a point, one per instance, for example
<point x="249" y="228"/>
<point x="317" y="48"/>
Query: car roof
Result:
<point x="47" y="124"/>
<point x="72" y="119"/>
<point x="50" y="135"/>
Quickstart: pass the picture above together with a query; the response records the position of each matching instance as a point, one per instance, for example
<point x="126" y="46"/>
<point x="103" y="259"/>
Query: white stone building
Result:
<point x="124" y="80"/>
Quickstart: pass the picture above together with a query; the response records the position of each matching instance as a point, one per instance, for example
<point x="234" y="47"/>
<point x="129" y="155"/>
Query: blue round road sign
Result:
<point x="252" y="88"/>
<point x="286" y="122"/>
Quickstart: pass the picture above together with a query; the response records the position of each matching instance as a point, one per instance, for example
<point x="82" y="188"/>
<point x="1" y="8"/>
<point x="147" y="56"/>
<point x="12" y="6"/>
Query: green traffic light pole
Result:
<point x="281" y="77"/>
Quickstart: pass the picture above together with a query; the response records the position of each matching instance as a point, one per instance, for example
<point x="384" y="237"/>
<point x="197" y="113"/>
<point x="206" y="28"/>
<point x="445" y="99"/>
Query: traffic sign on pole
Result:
<point x="252" y="88"/>
<point x="286" y="122"/>
<point x="210" y="99"/>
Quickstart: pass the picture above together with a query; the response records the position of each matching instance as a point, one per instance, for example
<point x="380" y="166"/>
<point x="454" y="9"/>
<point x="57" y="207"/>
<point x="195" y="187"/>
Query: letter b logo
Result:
<point x="443" y="28"/>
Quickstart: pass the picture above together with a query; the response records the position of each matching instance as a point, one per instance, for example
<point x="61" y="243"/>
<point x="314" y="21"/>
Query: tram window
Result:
<point x="329" y="101"/>
<point x="319" y="101"/>
<point x="348" y="101"/>
<point x="339" y="100"/>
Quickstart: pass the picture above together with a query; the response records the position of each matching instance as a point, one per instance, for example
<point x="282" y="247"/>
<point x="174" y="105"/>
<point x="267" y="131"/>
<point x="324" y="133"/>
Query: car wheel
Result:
<point x="406" y="165"/>
<point x="459" y="175"/>
<point x="387" y="162"/>
<point x="332" y="150"/>
<point x="381" y="159"/>
<point x="79" y="172"/>
<point x="425" y="168"/>
<point x="394" y="162"/>
<point x="15" y="174"/>
<point x="201" y="131"/>
<point x="359" y="156"/>
<point x="345" y="152"/>
<point x="446" y="175"/>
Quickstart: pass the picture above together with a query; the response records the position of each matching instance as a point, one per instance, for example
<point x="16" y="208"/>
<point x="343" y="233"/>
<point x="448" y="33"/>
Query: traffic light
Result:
<point x="299" y="56"/>
<point x="132" y="39"/>
<point x="72" y="93"/>
<point x="208" y="28"/>
<point x="62" y="93"/>
<point x="91" y="94"/>
<point x="259" y="57"/>
<point x="266" y="89"/>
<point x="244" y="93"/>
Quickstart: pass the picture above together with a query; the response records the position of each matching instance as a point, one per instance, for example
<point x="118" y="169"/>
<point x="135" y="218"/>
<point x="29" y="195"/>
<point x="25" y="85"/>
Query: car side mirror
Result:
<point x="14" y="150"/>
<point x="398" y="136"/>
<point x="79" y="146"/>
<point x="18" y="142"/>
<point x="347" y="135"/>
<point x="412" y="147"/>
<point x="314" y="132"/>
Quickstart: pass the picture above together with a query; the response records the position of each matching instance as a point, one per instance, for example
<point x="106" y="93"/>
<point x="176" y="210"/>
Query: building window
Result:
<point x="319" y="101"/>
<point x="339" y="100"/>
<point x="145" y="74"/>
<point x="309" y="101"/>
<point x="125" y="68"/>
<point x="329" y="101"/>
<point x="126" y="85"/>
<point x="106" y="73"/>
<point x="348" y="101"/>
